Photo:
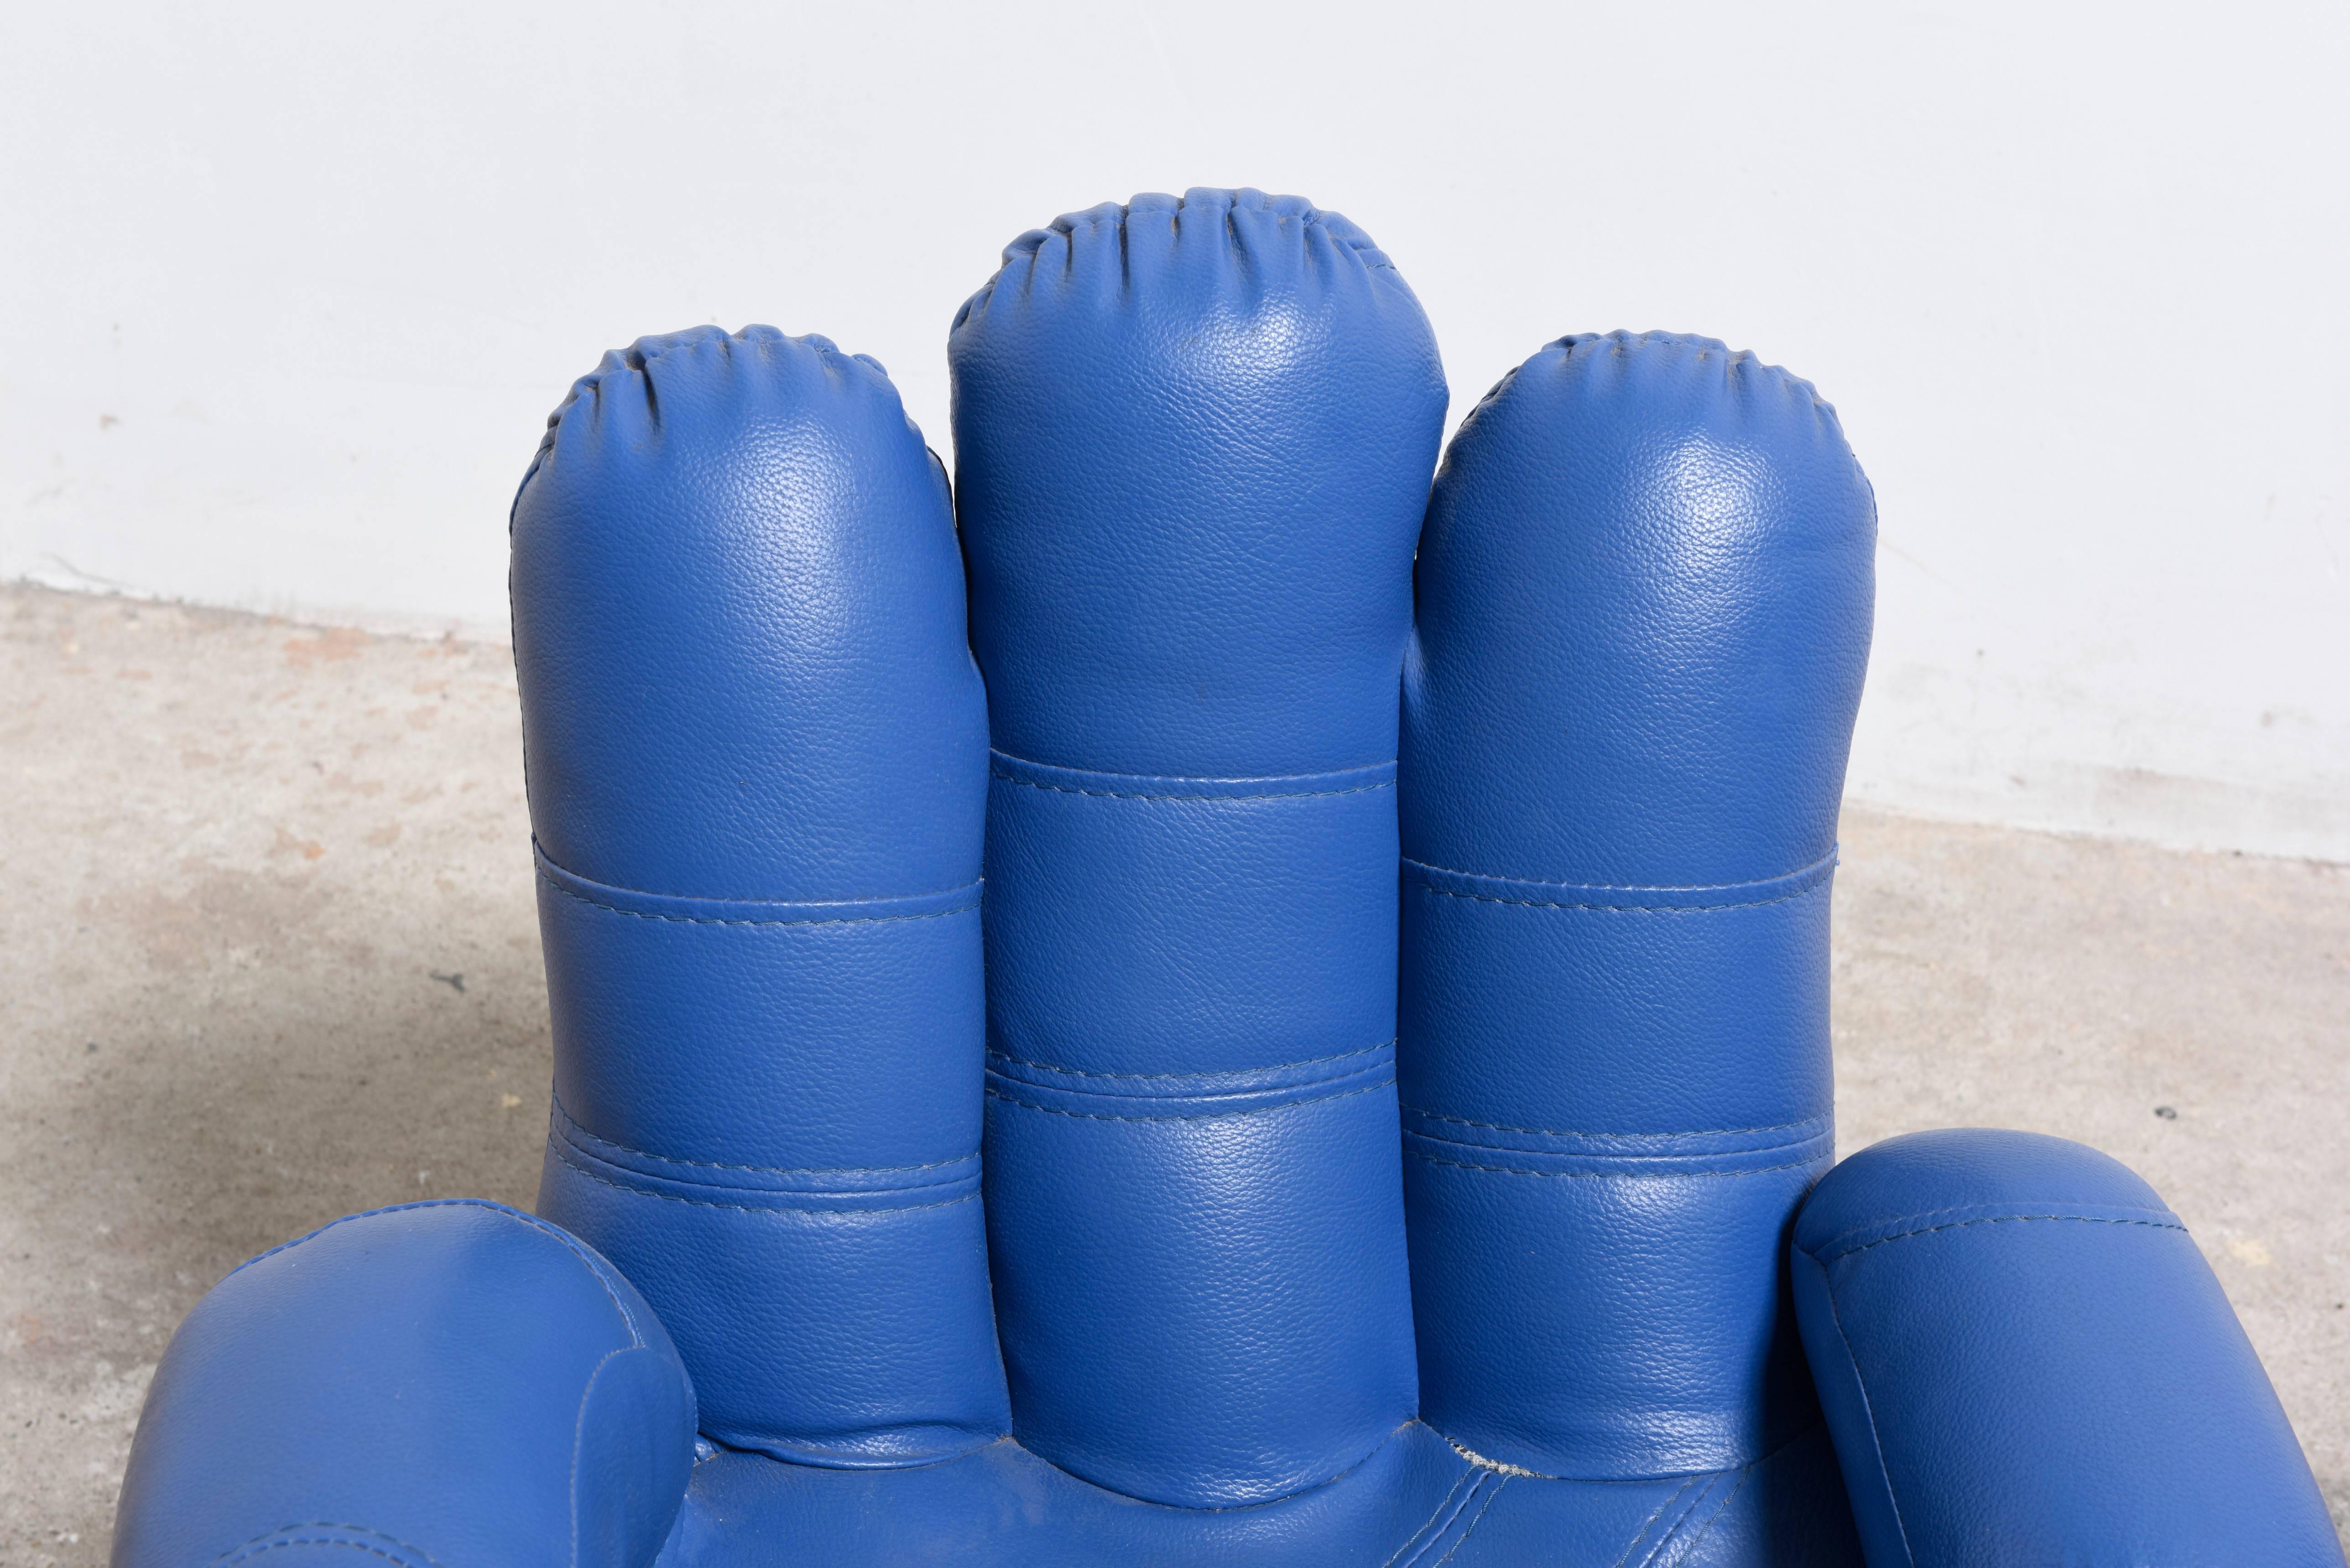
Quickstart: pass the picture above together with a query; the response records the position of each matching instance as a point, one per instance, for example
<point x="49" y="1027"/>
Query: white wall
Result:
<point x="287" y="291"/>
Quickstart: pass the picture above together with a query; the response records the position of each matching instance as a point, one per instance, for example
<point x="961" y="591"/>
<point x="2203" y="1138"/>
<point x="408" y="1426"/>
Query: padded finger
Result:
<point x="1644" y="604"/>
<point x="756" y="746"/>
<point x="443" y="1383"/>
<point x="2024" y="1359"/>
<point x="1194" y="439"/>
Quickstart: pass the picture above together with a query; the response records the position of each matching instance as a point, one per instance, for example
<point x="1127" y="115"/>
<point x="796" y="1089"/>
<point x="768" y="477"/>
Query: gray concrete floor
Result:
<point x="269" y="955"/>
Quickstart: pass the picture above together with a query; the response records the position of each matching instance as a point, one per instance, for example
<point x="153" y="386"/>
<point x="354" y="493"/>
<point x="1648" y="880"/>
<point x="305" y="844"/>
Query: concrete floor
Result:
<point x="271" y="956"/>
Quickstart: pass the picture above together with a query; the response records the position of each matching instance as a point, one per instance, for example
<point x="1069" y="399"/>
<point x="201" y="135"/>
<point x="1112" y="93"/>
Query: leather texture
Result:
<point x="757" y="757"/>
<point x="1193" y="437"/>
<point x="2025" y="1359"/>
<point x="1256" y="851"/>
<point x="1645" y="594"/>
<point x="1412" y="1503"/>
<point x="439" y="1383"/>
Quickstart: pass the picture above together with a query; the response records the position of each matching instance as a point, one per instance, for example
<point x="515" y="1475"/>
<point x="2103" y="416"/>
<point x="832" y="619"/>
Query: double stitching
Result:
<point x="1639" y="1155"/>
<point x="996" y="1093"/>
<point x="1608" y="908"/>
<point x="1610" y="897"/>
<point x="1492" y="1494"/>
<point x="1272" y="1067"/>
<point x="1655" y="1514"/>
<point x="1430" y="1531"/>
<point x="1122" y="795"/>
<point x="1565" y="1132"/>
<point x="1063" y="780"/>
<point x="1489" y="1486"/>
<point x="1188" y="1097"/>
<point x="571" y="1125"/>
<point x="1720" y="1508"/>
<point x="1618" y="908"/>
<point x="1521" y="1171"/>
<point x="564" y="1155"/>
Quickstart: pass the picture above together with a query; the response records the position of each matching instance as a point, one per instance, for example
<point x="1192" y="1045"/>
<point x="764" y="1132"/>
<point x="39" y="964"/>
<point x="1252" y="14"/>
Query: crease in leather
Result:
<point x="636" y="359"/>
<point x="1030" y="246"/>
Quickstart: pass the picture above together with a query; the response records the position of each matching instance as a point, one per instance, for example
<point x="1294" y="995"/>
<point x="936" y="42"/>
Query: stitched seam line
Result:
<point x="1378" y="1064"/>
<point x="577" y="896"/>
<point x="1122" y="795"/>
<point x="823" y="1195"/>
<point x="527" y="1222"/>
<point x="1823" y="862"/>
<point x="1492" y="1493"/>
<point x="544" y="864"/>
<point x="993" y="1093"/>
<point x="1627" y="908"/>
<point x="1555" y="1132"/>
<point x="268" y="1540"/>
<point x="2001" y="1219"/>
<point x="1695" y="1492"/>
<point x="1205" y="1096"/>
<point x="1973" y="1207"/>
<point x="1604" y="1175"/>
<point x="571" y="1125"/>
<point x="1650" y="1523"/>
<point x="1720" y="1508"/>
<point x="1437" y="1525"/>
<point x="1868" y="1410"/>
<point x="1818" y="870"/>
<point x="751" y="1208"/>
<point x="1275" y="1067"/>
<point x="314" y="1541"/>
<point x="1429" y="1530"/>
<point x="579" y="1430"/>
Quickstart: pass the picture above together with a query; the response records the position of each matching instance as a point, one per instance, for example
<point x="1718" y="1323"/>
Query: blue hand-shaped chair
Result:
<point x="1193" y="1002"/>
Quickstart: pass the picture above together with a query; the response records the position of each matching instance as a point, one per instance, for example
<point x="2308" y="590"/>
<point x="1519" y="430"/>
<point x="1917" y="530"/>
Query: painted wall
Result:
<point x="287" y="291"/>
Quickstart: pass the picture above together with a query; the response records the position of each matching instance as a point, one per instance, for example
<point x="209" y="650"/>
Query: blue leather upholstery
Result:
<point x="1645" y="594"/>
<point x="1412" y="1501"/>
<point x="1253" y="1309"/>
<point x="439" y="1384"/>
<point x="1193" y="441"/>
<point x="757" y="759"/>
<point x="2025" y="1359"/>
